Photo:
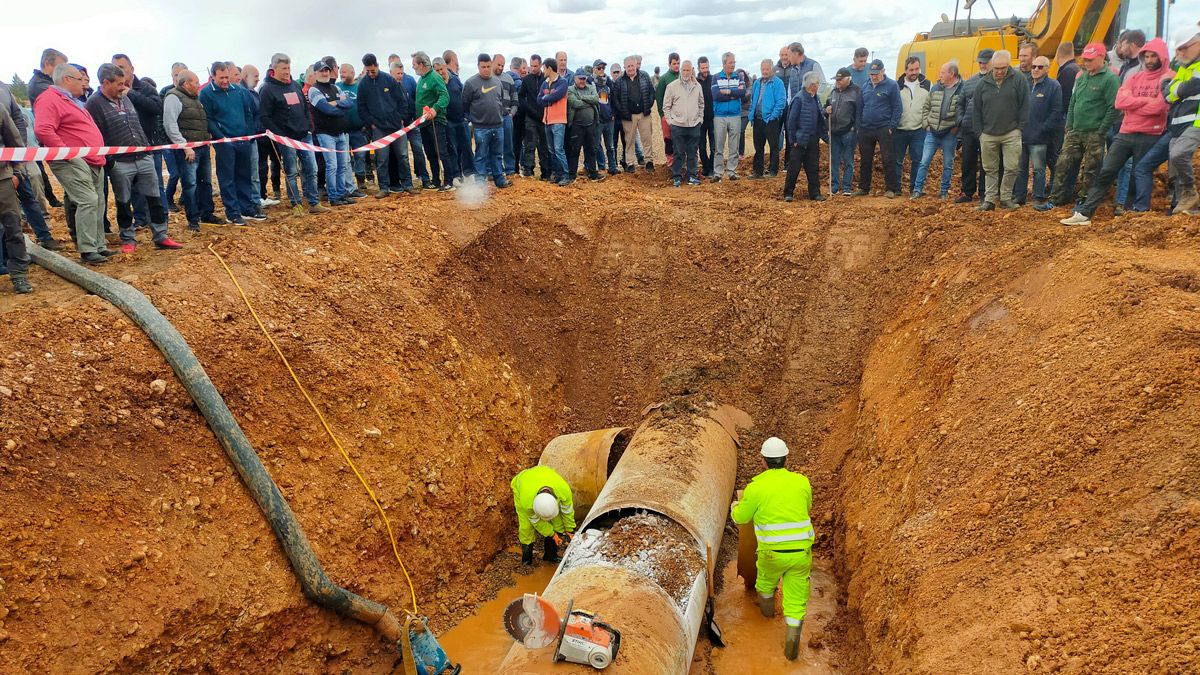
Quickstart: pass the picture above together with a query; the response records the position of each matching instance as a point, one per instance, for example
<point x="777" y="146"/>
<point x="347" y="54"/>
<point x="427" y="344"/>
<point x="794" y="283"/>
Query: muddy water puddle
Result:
<point x="754" y="644"/>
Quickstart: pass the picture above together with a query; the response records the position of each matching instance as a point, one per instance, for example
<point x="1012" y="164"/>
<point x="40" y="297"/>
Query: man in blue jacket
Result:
<point x="877" y="119"/>
<point x="381" y="105"/>
<point x="805" y="129"/>
<point x="728" y="90"/>
<point x="226" y="111"/>
<point x="1045" y="117"/>
<point x="767" y="103"/>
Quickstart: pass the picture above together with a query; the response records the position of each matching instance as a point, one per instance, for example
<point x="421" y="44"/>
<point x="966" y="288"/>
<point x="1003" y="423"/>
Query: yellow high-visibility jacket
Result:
<point x="525" y="486"/>
<point x="778" y="501"/>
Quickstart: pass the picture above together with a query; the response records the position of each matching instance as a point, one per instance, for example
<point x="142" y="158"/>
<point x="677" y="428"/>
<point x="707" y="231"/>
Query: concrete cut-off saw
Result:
<point x="581" y="636"/>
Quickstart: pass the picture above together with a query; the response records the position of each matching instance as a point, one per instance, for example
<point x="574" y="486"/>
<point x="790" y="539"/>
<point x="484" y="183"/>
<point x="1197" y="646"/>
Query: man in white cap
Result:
<point x="544" y="507"/>
<point x="1183" y="95"/>
<point x="778" y="501"/>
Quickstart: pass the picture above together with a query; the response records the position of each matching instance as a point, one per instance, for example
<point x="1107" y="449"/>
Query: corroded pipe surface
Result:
<point x="583" y="460"/>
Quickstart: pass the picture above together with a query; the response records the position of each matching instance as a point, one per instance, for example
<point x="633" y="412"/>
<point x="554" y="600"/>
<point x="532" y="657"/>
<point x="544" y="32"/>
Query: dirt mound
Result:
<point x="975" y="396"/>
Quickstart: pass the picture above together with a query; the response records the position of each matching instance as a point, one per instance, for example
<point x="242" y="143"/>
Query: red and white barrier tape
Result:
<point x="52" y="154"/>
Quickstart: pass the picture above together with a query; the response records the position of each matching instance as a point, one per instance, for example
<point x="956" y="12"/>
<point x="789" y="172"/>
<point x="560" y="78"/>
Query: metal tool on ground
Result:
<point x="710" y="607"/>
<point x="582" y="638"/>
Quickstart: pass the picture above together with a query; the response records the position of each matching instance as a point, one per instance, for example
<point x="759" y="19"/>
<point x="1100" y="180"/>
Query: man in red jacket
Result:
<point x="1141" y="99"/>
<point x="60" y="121"/>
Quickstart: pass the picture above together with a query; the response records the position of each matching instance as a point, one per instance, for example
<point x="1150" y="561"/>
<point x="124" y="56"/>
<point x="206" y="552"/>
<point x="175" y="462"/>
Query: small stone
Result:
<point x="126" y="337"/>
<point x="5" y="392"/>
<point x="372" y="432"/>
<point x="983" y="508"/>
<point x="158" y="424"/>
<point x="166" y="506"/>
<point x="99" y="388"/>
<point x="193" y="501"/>
<point x="133" y="629"/>
<point x="10" y="445"/>
<point x="157" y="387"/>
<point x="305" y="455"/>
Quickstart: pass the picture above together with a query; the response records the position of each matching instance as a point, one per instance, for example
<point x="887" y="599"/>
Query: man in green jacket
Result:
<point x="583" y="114"/>
<point x="779" y="502"/>
<point x="670" y="76"/>
<point x="1089" y="117"/>
<point x="433" y="94"/>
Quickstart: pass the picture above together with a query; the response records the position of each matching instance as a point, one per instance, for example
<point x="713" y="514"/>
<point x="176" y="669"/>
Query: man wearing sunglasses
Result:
<point x="1045" y="118"/>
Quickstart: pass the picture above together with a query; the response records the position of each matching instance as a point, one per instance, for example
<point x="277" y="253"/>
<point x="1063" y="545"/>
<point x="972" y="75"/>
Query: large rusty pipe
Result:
<point x="584" y="460"/>
<point x="681" y="466"/>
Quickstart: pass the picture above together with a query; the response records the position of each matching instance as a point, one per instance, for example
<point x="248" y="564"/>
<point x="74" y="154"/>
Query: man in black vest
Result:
<point x="185" y="121"/>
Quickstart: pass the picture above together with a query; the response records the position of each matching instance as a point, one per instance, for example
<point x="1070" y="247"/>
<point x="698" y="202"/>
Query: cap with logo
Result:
<point x="842" y="72"/>
<point x="985" y="55"/>
<point x="1095" y="50"/>
<point x="321" y="65"/>
<point x="876" y="67"/>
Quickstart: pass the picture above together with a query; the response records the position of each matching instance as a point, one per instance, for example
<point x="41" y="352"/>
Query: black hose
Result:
<point x="316" y="584"/>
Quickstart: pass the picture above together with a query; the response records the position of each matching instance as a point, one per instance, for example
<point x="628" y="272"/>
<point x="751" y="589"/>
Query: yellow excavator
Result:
<point x="1052" y="23"/>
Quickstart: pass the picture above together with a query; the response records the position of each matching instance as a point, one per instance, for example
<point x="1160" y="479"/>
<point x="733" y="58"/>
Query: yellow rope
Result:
<point x="328" y="430"/>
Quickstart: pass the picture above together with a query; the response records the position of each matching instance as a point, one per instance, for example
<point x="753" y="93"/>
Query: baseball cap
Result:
<point x="1094" y="50"/>
<point x="321" y="65"/>
<point x="842" y="72"/>
<point x="1184" y="36"/>
<point x="985" y="55"/>
<point x="581" y="72"/>
<point x="876" y="66"/>
<point x="599" y="63"/>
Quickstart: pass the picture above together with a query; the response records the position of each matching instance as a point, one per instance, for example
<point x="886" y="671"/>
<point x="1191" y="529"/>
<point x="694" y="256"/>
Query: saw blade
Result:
<point x="531" y="621"/>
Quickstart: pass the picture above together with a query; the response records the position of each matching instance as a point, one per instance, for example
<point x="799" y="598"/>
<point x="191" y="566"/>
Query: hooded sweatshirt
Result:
<point x="283" y="108"/>
<point x="1141" y="99"/>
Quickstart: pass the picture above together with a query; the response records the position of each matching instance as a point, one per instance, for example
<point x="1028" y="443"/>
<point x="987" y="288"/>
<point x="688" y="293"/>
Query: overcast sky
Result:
<point x="156" y="34"/>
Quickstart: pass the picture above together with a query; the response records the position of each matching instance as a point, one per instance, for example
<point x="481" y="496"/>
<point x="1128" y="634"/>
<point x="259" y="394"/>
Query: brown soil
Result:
<point x="997" y="413"/>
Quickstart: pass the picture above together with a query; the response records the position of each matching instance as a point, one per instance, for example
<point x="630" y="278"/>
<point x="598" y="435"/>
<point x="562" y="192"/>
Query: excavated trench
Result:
<point x="931" y="369"/>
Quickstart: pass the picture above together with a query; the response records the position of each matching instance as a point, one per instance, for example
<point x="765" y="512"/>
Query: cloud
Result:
<point x="573" y="6"/>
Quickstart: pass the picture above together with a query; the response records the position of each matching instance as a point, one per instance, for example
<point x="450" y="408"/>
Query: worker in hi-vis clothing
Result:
<point x="778" y="501"/>
<point x="543" y="501"/>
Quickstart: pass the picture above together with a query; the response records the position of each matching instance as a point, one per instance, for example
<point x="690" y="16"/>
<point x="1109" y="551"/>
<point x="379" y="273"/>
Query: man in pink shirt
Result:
<point x="60" y="121"/>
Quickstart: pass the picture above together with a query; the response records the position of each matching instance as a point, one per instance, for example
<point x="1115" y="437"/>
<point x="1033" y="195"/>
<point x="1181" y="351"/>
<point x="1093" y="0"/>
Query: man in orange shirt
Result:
<point x="553" y="99"/>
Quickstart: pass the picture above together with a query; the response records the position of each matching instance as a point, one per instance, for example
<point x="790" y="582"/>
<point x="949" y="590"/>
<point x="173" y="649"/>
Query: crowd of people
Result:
<point x="1108" y="119"/>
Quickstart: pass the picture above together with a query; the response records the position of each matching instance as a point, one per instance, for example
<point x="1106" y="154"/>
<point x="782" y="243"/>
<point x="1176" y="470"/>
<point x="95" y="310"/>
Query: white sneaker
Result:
<point x="270" y="202"/>
<point x="1076" y="218"/>
<point x="458" y="182"/>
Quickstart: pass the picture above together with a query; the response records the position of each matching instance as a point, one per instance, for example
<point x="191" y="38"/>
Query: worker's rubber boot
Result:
<point x="791" y="645"/>
<point x="550" y="551"/>
<point x="526" y="554"/>
<point x="766" y="605"/>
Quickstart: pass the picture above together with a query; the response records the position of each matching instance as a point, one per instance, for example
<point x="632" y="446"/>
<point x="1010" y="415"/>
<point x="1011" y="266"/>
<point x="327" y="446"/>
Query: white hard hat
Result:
<point x="774" y="447"/>
<point x="545" y="505"/>
<point x="1184" y="36"/>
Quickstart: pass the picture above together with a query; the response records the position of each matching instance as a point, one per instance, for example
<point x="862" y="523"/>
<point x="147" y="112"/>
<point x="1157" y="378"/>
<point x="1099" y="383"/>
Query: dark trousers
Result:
<point x="15" y="256"/>
<point x="233" y="178"/>
<point x="46" y="188"/>
<point x="867" y="140"/>
<point x="518" y="135"/>
<point x="31" y="205"/>
<point x="429" y="139"/>
<point x="535" y="141"/>
<point x="1123" y="148"/>
<point x="972" y="168"/>
<point x="687" y="143"/>
<point x="707" y="145"/>
<point x="807" y="157"/>
<point x="268" y="164"/>
<point x="766" y="133"/>
<point x="196" y="178"/>
<point x="581" y="138"/>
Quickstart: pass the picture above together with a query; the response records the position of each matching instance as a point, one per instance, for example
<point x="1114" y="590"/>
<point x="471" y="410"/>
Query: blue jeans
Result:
<point x="416" y="146"/>
<point x="555" y="137"/>
<point x="233" y="178"/>
<point x="307" y="170"/>
<point x="1143" y="174"/>
<point x="338" y="180"/>
<point x="841" y="160"/>
<point x="196" y="179"/>
<point x="255" y="185"/>
<point x="947" y="143"/>
<point x="358" y="162"/>
<point x="1123" y="183"/>
<point x="32" y="207"/>
<point x="172" y="174"/>
<point x="506" y="146"/>
<point x="1038" y="155"/>
<point x="911" y="143"/>
<point x="489" y="153"/>
<point x="606" y="148"/>
<point x="159" y="158"/>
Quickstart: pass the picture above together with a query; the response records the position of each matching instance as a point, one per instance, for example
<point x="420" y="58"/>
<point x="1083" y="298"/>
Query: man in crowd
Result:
<point x="16" y="258"/>
<point x="229" y="116"/>
<point x="433" y="94"/>
<point x="132" y="174"/>
<point x="148" y="103"/>
<point x="683" y="109"/>
<point x="1127" y="50"/>
<point x="728" y="90"/>
<point x="517" y="69"/>
<point x="484" y="102"/>
<point x="910" y="131"/>
<point x="660" y="88"/>
<point x="805" y="129"/>
<point x="347" y="85"/>
<point x="1091" y="114"/>
<point x="1144" y="122"/>
<point x="583" y="111"/>
<point x="1001" y="112"/>
<point x="535" y="131"/>
<point x="331" y="122"/>
<point x="28" y="177"/>
<point x="606" y="148"/>
<point x="284" y="112"/>
<point x="553" y="99"/>
<point x="972" y="178"/>
<point x="1025" y="55"/>
<point x="1045" y="114"/>
<point x="508" y="102"/>
<point x="877" y="120"/>
<point x="858" y="68"/>
<point x="1068" y="70"/>
<point x="707" y="129"/>
<point x="767" y="105"/>
<point x="265" y="163"/>
<point x="941" y="118"/>
<point x="845" y="101"/>
<point x="381" y="103"/>
<point x="456" y="118"/>
<point x="633" y="99"/>
<point x="185" y="121"/>
<point x="1183" y="94"/>
<point x="409" y="114"/>
<point x="38" y="83"/>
